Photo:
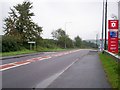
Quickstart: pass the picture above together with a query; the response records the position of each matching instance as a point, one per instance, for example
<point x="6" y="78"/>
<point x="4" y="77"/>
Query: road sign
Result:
<point x="31" y="42"/>
<point x="113" y="36"/>
<point x="113" y="24"/>
<point x="113" y="41"/>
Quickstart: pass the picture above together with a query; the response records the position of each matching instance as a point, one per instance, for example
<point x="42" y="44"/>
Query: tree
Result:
<point x="20" y="24"/>
<point x="78" y="42"/>
<point x="62" y="38"/>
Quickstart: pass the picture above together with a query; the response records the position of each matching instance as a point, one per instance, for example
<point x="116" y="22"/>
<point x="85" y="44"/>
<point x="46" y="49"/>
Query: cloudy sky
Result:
<point x="82" y="17"/>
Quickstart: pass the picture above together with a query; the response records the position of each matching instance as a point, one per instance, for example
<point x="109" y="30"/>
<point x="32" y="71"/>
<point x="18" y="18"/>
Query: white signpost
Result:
<point x="32" y="42"/>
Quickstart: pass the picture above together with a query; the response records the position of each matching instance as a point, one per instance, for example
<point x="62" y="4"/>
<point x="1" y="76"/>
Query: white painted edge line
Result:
<point x="48" y="81"/>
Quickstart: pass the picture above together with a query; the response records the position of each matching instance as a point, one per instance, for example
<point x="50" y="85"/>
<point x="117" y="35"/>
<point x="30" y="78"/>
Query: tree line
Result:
<point x="19" y="29"/>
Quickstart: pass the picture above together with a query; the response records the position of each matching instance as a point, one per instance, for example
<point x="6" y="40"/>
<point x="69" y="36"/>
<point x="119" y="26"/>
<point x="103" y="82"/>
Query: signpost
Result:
<point x="113" y="36"/>
<point x="31" y="42"/>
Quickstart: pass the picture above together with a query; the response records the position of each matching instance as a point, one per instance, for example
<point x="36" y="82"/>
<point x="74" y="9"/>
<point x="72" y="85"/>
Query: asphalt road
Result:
<point x="43" y="74"/>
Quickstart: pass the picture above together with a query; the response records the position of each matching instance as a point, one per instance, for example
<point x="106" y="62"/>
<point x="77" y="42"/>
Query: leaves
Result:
<point x="62" y="38"/>
<point x="78" y="41"/>
<point x="20" y="22"/>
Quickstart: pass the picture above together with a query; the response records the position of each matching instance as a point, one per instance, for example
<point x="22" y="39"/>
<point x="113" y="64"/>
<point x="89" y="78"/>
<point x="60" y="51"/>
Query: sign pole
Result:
<point x="102" y="46"/>
<point x="105" y="26"/>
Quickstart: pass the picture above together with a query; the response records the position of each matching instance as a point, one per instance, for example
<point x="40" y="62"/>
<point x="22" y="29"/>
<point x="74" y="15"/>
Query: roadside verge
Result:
<point x="111" y="68"/>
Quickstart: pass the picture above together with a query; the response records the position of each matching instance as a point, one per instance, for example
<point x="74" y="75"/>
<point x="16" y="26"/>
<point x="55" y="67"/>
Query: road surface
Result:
<point x="52" y="70"/>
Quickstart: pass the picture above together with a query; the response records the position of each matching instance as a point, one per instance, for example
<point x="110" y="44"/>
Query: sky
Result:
<point x="76" y="17"/>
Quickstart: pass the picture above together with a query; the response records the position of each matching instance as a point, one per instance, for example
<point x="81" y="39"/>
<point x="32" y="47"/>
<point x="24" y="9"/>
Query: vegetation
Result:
<point x="119" y="53"/>
<point x="111" y="69"/>
<point x="20" y="24"/>
<point x="25" y="51"/>
<point x="78" y="42"/>
<point x="19" y="29"/>
<point x="62" y="39"/>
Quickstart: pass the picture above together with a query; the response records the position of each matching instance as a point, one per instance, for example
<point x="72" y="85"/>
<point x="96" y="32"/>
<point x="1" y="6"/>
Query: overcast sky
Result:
<point x="85" y="15"/>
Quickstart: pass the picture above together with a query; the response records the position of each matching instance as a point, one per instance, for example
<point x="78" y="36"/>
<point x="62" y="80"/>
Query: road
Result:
<point x="41" y="71"/>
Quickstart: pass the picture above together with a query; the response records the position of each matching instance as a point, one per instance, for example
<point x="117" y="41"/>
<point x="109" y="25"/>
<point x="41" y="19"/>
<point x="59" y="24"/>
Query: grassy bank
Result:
<point x="18" y="52"/>
<point x="26" y="51"/>
<point x="119" y="53"/>
<point x="111" y="69"/>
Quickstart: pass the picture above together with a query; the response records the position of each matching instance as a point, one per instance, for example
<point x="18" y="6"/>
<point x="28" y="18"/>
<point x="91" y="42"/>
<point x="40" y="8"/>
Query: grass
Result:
<point x="18" y="52"/>
<point x="51" y="49"/>
<point x="26" y="51"/>
<point x="119" y="53"/>
<point x="111" y="69"/>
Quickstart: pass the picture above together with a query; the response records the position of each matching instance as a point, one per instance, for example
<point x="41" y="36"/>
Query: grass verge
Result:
<point x="111" y="69"/>
<point x="18" y="52"/>
<point x="26" y="51"/>
<point x="119" y="53"/>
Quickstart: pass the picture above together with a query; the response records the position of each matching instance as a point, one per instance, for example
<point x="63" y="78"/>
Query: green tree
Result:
<point x="19" y="23"/>
<point x="62" y="38"/>
<point x="78" y="41"/>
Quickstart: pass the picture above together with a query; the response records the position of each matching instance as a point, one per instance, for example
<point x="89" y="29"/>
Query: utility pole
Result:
<point x="66" y="33"/>
<point x="96" y="41"/>
<point x="102" y="28"/>
<point x="105" y="46"/>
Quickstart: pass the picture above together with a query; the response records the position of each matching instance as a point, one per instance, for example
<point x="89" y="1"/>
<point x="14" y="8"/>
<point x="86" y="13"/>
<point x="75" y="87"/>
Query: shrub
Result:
<point x="10" y="43"/>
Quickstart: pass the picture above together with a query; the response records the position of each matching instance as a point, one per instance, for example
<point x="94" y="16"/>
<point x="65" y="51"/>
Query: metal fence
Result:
<point x="115" y="56"/>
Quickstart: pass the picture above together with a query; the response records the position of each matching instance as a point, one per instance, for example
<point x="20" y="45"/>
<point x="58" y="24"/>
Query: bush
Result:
<point x="10" y="43"/>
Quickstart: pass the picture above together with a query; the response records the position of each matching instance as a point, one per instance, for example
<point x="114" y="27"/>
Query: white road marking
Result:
<point x="48" y="81"/>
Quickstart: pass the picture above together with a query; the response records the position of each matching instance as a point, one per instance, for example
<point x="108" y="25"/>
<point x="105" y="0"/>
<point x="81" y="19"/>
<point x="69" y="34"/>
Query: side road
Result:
<point x="87" y="72"/>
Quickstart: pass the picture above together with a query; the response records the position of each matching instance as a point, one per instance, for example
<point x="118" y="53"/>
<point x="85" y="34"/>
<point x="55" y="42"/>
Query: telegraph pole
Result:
<point x="66" y="33"/>
<point x="102" y="28"/>
<point x="105" y="46"/>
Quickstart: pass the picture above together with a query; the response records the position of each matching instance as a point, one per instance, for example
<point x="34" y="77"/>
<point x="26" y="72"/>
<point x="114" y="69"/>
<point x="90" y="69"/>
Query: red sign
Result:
<point x="113" y="24"/>
<point x="113" y="41"/>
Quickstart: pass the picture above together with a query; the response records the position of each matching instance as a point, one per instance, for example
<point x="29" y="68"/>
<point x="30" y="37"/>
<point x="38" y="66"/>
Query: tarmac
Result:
<point x="87" y="72"/>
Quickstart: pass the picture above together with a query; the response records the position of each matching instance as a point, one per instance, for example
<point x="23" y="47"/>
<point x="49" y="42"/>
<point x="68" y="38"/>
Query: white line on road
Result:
<point x="48" y="81"/>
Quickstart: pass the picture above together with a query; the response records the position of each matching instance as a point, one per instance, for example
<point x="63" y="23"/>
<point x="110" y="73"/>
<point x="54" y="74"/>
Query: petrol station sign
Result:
<point x="113" y="24"/>
<point x="113" y="36"/>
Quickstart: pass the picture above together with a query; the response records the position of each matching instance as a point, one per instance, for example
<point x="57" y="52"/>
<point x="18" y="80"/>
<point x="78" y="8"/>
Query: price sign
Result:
<point x="113" y="41"/>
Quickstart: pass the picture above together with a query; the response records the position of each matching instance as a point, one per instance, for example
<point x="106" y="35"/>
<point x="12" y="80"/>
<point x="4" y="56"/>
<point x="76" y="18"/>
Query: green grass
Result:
<point x="111" y="69"/>
<point x="26" y="51"/>
<point x="18" y="52"/>
<point x="119" y="53"/>
<point x="51" y="49"/>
